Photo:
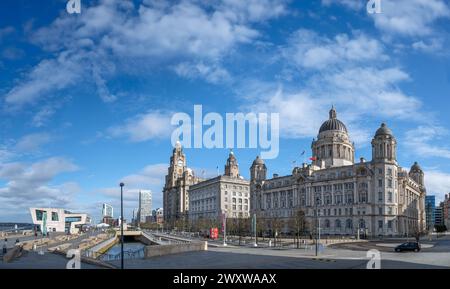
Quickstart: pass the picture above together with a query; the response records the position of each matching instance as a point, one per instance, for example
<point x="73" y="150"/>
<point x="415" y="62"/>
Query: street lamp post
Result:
<point x="317" y="227"/>
<point x="121" y="225"/>
<point x="224" y="225"/>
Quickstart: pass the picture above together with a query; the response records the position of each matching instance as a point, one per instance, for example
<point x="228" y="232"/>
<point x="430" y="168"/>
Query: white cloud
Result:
<point x="152" y="125"/>
<point x="48" y="76"/>
<point x="437" y="183"/>
<point x="411" y="17"/>
<point x="351" y="77"/>
<point x="422" y="141"/>
<point x="211" y="73"/>
<point x="352" y="4"/>
<point x="307" y="49"/>
<point x="28" y="185"/>
<point x="349" y="71"/>
<point x="431" y="46"/>
<point x="43" y="115"/>
<point x="114" y="32"/>
<point x="151" y="177"/>
<point x="32" y="142"/>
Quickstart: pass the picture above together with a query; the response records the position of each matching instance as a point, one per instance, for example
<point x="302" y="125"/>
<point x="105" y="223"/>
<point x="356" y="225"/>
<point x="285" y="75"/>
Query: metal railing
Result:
<point x="129" y="254"/>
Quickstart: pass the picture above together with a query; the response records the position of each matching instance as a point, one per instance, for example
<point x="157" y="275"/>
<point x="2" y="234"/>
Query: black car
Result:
<point x="408" y="246"/>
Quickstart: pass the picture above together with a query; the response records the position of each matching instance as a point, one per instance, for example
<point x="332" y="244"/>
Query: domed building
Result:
<point x="347" y="198"/>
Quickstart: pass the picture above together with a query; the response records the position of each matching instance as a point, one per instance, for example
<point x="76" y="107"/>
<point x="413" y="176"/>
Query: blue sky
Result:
<point x="86" y="100"/>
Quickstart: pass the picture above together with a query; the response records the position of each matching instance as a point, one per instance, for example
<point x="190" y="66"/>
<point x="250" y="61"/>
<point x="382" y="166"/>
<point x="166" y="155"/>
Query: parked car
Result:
<point x="408" y="246"/>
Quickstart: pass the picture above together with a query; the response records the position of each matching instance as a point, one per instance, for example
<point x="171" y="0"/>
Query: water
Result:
<point x="11" y="226"/>
<point x="132" y="250"/>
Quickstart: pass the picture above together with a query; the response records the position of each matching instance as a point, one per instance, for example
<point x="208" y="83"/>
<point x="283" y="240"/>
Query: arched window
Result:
<point x="362" y="224"/>
<point x="348" y="224"/>
<point x="362" y="197"/>
<point x="327" y="223"/>
<point x="337" y="224"/>
<point x="328" y="199"/>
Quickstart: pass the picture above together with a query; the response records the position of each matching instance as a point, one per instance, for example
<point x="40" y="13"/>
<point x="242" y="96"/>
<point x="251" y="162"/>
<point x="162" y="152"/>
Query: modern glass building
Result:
<point x="430" y="211"/>
<point x="145" y="205"/>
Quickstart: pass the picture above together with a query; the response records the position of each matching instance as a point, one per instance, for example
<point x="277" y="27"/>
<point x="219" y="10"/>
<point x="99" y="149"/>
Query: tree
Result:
<point x="298" y="224"/>
<point x="260" y="227"/>
<point x="276" y="224"/>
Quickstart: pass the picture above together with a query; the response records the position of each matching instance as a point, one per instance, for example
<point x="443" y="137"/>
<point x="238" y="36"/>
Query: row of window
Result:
<point x="240" y="194"/>
<point x="238" y="200"/>
<point x="237" y="207"/>
<point x="235" y="187"/>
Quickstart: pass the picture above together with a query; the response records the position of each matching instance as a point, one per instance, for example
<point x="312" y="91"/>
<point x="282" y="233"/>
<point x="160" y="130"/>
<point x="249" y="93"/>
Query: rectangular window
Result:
<point x="380" y="224"/>
<point x="380" y="196"/>
<point x="389" y="183"/>
<point x="380" y="211"/>
<point x="55" y="216"/>
<point x="390" y="196"/>
<point x="39" y="215"/>
<point x="389" y="224"/>
<point x="380" y="183"/>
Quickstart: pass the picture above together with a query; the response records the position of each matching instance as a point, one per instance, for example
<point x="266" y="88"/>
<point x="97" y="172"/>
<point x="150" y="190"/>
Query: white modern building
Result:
<point x="107" y="211"/>
<point x="145" y="205"/>
<point x="58" y="220"/>
<point x="228" y="193"/>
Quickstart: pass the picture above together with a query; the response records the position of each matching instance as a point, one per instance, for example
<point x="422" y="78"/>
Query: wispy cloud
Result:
<point x="423" y="141"/>
<point x="116" y="33"/>
<point x="32" y="142"/>
<point x="437" y="183"/>
<point x="151" y="125"/>
<point x="307" y="49"/>
<point x="356" y="78"/>
<point x="33" y="184"/>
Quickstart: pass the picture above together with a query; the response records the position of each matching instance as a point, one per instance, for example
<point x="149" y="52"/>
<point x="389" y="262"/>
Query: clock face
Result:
<point x="180" y="163"/>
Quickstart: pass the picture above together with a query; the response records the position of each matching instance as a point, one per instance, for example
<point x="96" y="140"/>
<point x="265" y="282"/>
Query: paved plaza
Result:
<point x="434" y="255"/>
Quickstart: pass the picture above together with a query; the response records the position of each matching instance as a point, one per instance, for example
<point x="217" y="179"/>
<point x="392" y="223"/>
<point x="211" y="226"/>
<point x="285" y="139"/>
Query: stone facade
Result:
<point x="376" y="197"/>
<point x="228" y="193"/>
<point x="176" y="189"/>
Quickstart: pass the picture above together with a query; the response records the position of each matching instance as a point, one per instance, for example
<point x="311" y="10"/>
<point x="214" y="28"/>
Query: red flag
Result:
<point x="313" y="158"/>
